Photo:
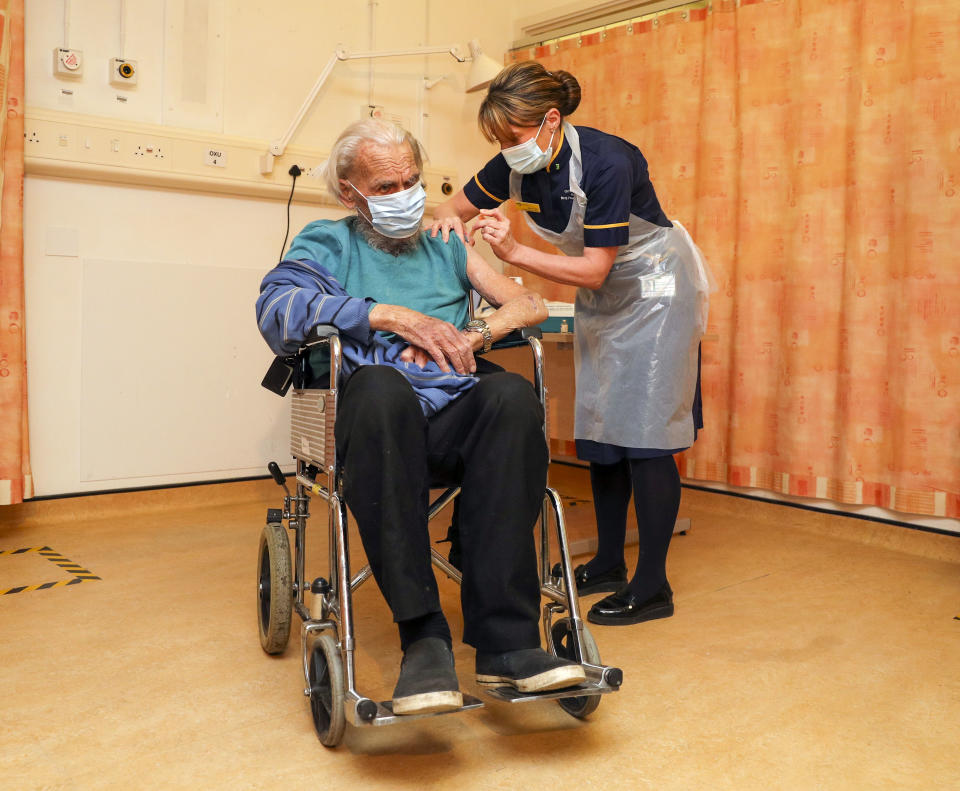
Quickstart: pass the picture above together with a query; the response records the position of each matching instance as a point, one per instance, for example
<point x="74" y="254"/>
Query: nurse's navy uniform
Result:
<point x="637" y="337"/>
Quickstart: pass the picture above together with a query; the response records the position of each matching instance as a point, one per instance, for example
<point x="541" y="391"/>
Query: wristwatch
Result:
<point x="479" y="325"/>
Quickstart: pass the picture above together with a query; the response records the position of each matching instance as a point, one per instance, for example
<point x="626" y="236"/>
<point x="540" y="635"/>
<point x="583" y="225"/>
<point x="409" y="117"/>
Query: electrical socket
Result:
<point x="148" y="150"/>
<point x="67" y="62"/>
<point x="123" y="73"/>
<point x="314" y="171"/>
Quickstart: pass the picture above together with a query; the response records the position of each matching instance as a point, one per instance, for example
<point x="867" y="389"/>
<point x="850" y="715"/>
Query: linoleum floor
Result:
<point x="807" y="652"/>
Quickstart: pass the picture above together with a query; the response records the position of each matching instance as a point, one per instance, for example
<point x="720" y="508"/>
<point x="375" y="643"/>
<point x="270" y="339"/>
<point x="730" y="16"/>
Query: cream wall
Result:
<point x="250" y="73"/>
<point x="144" y="360"/>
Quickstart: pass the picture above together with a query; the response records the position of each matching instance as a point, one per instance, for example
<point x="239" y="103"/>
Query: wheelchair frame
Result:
<point x="328" y="659"/>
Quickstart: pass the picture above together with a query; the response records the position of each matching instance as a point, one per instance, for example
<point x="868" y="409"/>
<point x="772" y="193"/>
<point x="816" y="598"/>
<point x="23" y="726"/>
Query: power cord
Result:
<point x="294" y="171"/>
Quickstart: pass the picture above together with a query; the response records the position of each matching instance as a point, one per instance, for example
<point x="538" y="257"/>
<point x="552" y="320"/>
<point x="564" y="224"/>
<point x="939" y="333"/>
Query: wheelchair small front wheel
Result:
<point x="325" y="673"/>
<point x="563" y="646"/>
<point x="274" y="589"/>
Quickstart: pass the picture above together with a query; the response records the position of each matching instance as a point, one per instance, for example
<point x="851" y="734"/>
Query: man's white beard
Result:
<point x="387" y="244"/>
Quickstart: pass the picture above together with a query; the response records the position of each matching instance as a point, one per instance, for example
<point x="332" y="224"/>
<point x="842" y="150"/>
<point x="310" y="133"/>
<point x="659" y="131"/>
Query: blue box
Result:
<point x="555" y="324"/>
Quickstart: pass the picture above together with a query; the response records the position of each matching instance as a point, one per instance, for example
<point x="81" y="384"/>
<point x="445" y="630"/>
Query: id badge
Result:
<point x="658" y="286"/>
<point x="524" y="206"/>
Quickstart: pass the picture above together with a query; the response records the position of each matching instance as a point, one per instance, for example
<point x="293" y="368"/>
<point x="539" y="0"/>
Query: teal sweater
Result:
<point x="431" y="280"/>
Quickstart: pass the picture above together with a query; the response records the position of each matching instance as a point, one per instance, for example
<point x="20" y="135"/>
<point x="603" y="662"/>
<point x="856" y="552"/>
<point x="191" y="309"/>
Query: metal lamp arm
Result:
<point x="279" y="146"/>
<point x="342" y="54"/>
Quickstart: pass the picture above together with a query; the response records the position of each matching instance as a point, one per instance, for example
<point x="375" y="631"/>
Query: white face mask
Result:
<point x="528" y="157"/>
<point x="399" y="214"/>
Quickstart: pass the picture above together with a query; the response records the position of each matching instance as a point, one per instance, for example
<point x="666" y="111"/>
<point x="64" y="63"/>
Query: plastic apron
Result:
<point x="637" y="336"/>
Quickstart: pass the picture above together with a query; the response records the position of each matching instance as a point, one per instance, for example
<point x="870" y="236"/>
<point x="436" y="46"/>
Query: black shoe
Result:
<point x="428" y="681"/>
<point x="528" y="670"/>
<point x="623" y="607"/>
<point x="587" y="583"/>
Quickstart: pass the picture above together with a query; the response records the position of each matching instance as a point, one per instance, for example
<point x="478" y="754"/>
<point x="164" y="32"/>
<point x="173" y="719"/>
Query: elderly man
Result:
<point x="429" y="412"/>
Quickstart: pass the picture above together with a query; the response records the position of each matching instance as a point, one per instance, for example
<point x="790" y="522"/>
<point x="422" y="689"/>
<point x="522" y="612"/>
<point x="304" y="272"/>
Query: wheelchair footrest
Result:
<point x="385" y="715"/>
<point x="601" y="680"/>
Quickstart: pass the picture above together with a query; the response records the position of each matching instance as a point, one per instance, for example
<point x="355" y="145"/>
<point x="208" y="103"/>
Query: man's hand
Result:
<point x="417" y="356"/>
<point x="436" y="339"/>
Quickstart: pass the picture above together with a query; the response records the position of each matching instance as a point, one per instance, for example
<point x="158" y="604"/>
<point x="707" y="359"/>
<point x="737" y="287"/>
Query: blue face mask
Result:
<point x="399" y="214"/>
<point x="528" y="157"/>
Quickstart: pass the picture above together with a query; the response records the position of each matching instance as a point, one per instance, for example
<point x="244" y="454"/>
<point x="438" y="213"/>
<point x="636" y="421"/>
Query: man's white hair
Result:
<point x="352" y="139"/>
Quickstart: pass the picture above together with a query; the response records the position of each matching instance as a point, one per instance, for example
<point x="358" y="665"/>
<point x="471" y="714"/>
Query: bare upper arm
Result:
<point x="493" y="286"/>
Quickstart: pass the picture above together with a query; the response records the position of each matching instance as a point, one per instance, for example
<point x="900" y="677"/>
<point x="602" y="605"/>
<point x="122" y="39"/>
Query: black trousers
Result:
<point x="491" y="442"/>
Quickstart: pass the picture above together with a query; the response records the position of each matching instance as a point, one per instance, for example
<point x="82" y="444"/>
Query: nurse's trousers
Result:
<point x="490" y="441"/>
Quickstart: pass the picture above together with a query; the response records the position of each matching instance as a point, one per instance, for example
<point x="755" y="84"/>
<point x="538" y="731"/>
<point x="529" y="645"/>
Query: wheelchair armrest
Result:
<point x="517" y="338"/>
<point x="318" y="334"/>
<point x="279" y="375"/>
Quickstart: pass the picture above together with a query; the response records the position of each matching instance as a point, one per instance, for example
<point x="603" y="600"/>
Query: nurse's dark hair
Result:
<point x="522" y="94"/>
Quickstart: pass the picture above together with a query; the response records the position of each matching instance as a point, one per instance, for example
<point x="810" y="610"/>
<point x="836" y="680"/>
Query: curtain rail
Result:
<point x="542" y="34"/>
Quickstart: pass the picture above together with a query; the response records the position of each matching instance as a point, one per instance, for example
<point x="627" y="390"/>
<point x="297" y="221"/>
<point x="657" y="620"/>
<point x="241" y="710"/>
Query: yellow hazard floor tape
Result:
<point x="79" y="572"/>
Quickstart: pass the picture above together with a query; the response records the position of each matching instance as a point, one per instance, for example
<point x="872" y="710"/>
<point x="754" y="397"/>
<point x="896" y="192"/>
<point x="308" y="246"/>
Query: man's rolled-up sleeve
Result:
<point x="292" y="302"/>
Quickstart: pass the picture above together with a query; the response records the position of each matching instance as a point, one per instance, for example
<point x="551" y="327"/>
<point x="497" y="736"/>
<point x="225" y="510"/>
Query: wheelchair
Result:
<point x="327" y="637"/>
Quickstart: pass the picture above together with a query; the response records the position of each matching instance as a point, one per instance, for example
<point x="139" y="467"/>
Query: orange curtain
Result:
<point x="813" y="150"/>
<point x="15" y="478"/>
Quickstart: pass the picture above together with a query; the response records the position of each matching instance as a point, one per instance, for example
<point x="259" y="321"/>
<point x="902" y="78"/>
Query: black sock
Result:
<point x="611" y="496"/>
<point x="656" y="496"/>
<point x="433" y="624"/>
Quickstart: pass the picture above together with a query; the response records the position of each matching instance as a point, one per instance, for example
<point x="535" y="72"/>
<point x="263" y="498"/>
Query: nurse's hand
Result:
<point x="494" y="229"/>
<point x="444" y="225"/>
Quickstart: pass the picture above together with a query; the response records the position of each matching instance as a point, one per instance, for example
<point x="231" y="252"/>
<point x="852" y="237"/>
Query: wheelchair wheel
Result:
<point x="325" y="672"/>
<point x="564" y="648"/>
<point x="274" y="589"/>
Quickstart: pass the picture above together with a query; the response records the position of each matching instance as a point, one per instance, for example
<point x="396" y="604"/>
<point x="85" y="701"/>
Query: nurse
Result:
<point x="641" y="309"/>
